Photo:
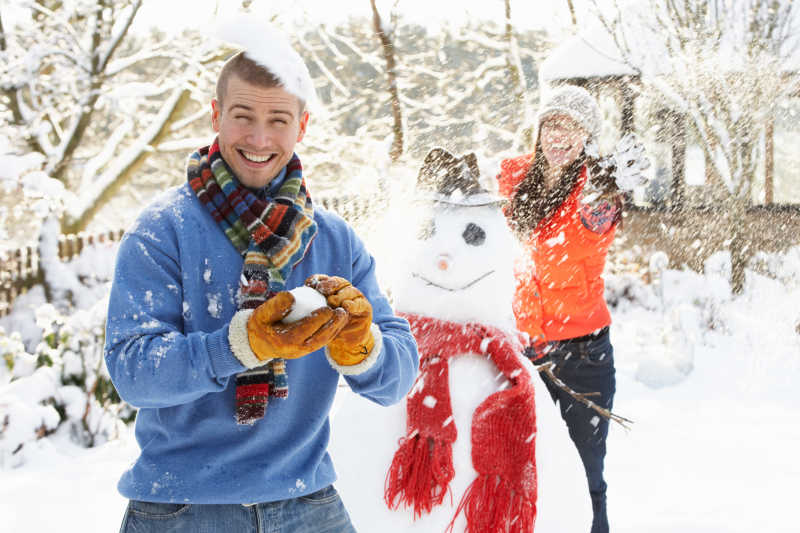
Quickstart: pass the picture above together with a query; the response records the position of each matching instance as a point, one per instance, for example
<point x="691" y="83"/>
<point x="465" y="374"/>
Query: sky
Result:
<point x="178" y="14"/>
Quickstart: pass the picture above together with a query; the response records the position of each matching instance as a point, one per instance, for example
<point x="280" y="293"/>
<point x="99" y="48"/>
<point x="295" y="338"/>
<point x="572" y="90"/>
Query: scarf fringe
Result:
<point x="488" y="505"/>
<point x="420" y="474"/>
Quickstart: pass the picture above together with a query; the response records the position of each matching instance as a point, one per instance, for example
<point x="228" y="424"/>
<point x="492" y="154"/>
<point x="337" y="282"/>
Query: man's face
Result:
<point x="257" y="128"/>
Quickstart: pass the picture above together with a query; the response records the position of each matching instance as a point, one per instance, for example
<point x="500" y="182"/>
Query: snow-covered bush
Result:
<point x="681" y="307"/>
<point x="62" y="386"/>
<point x="784" y="267"/>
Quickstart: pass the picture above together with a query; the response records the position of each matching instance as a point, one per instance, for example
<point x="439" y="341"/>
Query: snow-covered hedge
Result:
<point x="52" y="373"/>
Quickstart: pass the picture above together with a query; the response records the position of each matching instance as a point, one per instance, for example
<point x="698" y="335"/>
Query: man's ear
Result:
<point x="216" y="111"/>
<point x="303" y="125"/>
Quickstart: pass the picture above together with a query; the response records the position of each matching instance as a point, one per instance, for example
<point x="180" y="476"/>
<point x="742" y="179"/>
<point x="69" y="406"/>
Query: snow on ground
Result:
<point x="710" y="381"/>
<point x="66" y="488"/>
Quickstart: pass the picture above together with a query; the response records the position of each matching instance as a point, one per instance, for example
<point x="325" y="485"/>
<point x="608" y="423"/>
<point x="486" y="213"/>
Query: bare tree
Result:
<point x="572" y="12"/>
<point x="389" y="54"/>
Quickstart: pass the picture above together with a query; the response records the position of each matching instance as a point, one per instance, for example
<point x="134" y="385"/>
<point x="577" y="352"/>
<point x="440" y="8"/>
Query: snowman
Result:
<point x="460" y="450"/>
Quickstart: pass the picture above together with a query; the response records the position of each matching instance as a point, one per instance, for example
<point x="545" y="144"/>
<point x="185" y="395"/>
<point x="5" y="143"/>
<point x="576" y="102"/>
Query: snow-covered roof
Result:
<point x="589" y="54"/>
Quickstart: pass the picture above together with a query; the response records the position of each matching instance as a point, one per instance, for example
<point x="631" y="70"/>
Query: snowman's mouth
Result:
<point x="452" y="289"/>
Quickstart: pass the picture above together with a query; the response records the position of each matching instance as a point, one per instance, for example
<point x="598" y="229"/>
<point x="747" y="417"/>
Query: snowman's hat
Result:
<point x="453" y="180"/>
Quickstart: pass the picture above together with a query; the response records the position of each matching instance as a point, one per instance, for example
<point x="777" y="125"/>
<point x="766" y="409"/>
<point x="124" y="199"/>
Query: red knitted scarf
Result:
<point x="503" y="496"/>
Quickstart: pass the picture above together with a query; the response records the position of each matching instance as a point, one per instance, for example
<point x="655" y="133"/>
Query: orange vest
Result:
<point x="559" y="282"/>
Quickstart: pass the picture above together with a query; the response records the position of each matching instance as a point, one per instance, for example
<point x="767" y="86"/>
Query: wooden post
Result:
<point x="769" y="162"/>
<point x="679" y="133"/>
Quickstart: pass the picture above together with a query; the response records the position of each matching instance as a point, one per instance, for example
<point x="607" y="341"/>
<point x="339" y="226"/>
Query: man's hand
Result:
<point x="630" y="161"/>
<point x="270" y="338"/>
<point x="354" y="342"/>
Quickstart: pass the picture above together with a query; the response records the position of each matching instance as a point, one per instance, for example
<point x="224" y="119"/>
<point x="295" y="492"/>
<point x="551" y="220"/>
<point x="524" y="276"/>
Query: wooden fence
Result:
<point x="21" y="268"/>
<point x="683" y="235"/>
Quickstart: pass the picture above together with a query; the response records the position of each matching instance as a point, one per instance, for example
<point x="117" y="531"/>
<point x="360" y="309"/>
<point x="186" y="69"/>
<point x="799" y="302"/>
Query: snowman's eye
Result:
<point x="474" y="235"/>
<point x="426" y="229"/>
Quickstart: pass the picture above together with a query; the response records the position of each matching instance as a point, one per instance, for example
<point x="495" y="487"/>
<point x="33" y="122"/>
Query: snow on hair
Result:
<point x="269" y="47"/>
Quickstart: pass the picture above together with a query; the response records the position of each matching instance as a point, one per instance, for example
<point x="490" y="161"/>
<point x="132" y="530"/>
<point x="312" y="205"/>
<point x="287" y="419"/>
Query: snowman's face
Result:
<point x="462" y="267"/>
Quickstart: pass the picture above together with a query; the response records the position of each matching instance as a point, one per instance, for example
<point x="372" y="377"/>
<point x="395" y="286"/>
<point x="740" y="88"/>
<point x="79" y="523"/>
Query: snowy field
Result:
<point x="709" y="380"/>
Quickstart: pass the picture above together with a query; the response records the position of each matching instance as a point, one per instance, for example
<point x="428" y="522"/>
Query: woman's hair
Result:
<point x="532" y="201"/>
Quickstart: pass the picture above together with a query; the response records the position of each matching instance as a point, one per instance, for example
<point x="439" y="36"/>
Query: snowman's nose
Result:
<point x="443" y="262"/>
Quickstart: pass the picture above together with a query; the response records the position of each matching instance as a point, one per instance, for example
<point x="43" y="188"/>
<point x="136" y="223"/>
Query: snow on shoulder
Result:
<point x="269" y="47"/>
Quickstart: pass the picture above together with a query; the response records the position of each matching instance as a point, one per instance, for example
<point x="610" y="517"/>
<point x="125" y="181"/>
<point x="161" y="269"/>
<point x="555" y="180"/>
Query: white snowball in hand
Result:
<point x="306" y="300"/>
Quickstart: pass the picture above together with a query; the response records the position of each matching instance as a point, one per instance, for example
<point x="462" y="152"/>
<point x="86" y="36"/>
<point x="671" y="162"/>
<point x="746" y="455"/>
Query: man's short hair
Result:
<point x="249" y="71"/>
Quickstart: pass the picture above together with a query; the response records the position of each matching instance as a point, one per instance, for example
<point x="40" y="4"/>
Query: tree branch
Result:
<point x="127" y="163"/>
<point x="12" y="93"/>
<point x="547" y="369"/>
<point x="117" y="39"/>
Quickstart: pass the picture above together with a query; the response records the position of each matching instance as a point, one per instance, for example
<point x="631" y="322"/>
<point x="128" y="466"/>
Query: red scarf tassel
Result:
<point x="420" y="474"/>
<point x="488" y="505"/>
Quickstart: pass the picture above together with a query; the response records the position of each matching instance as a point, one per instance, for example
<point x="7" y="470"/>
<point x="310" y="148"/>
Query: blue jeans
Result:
<point x="320" y="512"/>
<point x="586" y="365"/>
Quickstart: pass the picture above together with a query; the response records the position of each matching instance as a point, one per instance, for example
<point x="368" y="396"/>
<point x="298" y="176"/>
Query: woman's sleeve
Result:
<point x="601" y="215"/>
<point x="511" y="173"/>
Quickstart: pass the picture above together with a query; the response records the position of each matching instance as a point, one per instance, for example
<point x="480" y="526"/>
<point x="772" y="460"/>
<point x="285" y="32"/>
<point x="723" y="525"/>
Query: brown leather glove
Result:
<point x="354" y="342"/>
<point x="270" y="338"/>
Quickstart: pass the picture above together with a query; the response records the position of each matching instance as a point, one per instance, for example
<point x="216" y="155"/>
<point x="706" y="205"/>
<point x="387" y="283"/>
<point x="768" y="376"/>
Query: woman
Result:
<point x="565" y="206"/>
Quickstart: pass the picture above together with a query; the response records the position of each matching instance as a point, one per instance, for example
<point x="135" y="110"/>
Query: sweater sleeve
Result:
<point x="152" y="361"/>
<point x="390" y="378"/>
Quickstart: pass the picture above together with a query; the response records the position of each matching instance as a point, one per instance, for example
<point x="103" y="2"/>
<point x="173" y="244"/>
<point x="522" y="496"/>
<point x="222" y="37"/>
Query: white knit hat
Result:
<point x="576" y="103"/>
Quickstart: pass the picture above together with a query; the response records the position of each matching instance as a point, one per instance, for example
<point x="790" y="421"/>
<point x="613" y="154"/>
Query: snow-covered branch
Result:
<point x="116" y="39"/>
<point x="80" y="212"/>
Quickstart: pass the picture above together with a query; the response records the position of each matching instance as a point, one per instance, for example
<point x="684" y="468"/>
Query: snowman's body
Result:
<point x="459" y="268"/>
<point x="461" y="271"/>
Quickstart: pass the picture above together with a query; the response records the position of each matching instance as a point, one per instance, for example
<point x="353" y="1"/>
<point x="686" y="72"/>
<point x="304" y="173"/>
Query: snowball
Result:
<point x="306" y="300"/>
<point x="270" y="48"/>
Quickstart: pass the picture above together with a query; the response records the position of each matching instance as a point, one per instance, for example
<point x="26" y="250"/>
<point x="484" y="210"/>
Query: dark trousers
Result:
<point x="586" y="365"/>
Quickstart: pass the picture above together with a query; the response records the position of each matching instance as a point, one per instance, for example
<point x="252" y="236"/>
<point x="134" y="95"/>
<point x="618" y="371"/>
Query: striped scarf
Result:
<point x="273" y="235"/>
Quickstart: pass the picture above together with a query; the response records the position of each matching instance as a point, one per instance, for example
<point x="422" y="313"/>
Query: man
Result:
<point x="233" y="403"/>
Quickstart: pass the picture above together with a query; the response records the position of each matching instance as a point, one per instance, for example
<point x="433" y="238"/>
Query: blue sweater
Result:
<point x="168" y="353"/>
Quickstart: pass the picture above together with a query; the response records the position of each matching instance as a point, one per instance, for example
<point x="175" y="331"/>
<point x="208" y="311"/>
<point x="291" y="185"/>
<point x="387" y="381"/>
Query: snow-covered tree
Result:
<point x="720" y="65"/>
<point x="88" y="95"/>
<point x="454" y="88"/>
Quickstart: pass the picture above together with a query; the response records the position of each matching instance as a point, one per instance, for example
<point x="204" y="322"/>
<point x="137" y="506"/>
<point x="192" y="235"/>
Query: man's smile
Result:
<point x="255" y="158"/>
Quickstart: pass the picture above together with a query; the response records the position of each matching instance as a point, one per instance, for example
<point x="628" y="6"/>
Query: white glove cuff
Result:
<point x="240" y="342"/>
